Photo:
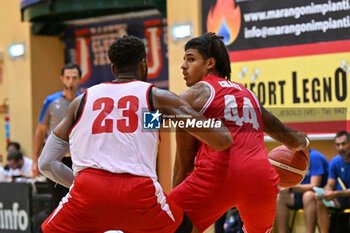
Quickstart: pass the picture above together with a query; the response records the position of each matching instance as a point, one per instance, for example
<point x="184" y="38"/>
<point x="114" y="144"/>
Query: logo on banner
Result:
<point x="153" y="31"/>
<point x="225" y="20"/>
<point x="151" y="120"/>
<point x="13" y="219"/>
<point x="82" y="44"/>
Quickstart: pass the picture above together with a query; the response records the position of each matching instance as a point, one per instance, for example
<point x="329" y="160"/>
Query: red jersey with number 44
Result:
<point x="240" y="176"/>
<point x="109" y="134"/>
<point x="239" y="110"/>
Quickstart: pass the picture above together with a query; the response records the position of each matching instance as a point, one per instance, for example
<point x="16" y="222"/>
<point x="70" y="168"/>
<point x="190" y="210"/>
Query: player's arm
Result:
<point x="39" y="137"/>
<point x="63" y="128"/>
<point x="186" y="144"/>
<point x="293" y="139"/>
<point x="169" y="103"/>
<point x="57" y="147"/>
<point x="40" y="134"/>
<point x="186" y="150"/>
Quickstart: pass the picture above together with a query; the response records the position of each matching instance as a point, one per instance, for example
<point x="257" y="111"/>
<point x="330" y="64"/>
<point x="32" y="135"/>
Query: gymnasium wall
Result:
<point x="16" y="78"/>
<point x="25" y="80"/>
<point x="46" y="62"/>
<point x="181" y="11"/>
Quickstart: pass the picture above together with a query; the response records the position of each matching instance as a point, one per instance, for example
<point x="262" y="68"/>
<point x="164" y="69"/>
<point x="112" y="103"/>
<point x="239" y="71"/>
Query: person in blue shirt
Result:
<point x="301" y="196"/>
<point x="52" y="112"/>
<point x="337" y="188"/>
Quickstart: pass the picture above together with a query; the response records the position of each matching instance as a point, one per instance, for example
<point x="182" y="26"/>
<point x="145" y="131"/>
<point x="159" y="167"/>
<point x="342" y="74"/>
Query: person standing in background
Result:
<point x="53" y="110"/>
<point x="11" y="146"/>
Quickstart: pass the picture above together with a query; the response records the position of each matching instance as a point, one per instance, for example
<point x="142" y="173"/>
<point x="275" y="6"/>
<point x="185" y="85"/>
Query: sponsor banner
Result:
<point x="293" y="55"/>
<point x="251" y="24"/>
<point x="301" y="89"/>
<point x="290" y="51"/>
<point x="320" y="127"/>
<point x="297" y="81"/>
<point x="87" y="45"/>
<point x="14" y="208"/>
<point x="313" y="120"/>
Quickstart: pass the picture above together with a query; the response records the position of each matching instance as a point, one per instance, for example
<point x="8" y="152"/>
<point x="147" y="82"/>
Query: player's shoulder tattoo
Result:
<point x="197" y="95"/>
<point x="200" y="91"/>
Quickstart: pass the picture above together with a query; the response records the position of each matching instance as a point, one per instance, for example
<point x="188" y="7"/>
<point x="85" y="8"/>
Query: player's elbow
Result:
<point x="43" y="165"/>
<point x="223" y="143"/>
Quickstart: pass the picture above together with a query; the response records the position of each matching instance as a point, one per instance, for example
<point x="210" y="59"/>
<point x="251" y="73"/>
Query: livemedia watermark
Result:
<point x="157" y="120"/>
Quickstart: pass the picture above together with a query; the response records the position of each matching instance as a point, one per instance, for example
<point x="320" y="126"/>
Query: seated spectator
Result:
<point x="13" y="146"/>
<point x="301" y="196"/>
<point x="338" y="183"/>
<point x="18" y="164"/>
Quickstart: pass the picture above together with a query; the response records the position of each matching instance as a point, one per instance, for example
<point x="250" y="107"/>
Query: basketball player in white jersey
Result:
<point x="114" y="158"/>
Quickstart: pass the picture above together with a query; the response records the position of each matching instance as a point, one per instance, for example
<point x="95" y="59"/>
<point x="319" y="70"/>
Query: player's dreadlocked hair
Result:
<point x="126" y="53"/>
<point x="211" y="45"/>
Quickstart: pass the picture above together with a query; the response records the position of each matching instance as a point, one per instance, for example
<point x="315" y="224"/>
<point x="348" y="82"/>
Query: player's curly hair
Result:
<point x="126" y="53"/>
<point x="211" y="45"/>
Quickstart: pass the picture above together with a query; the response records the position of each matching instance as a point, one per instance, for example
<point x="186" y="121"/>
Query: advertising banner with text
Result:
<point x="293" y="55"/>
<point x="15" y="215"/>
<point x="88" y="44"/>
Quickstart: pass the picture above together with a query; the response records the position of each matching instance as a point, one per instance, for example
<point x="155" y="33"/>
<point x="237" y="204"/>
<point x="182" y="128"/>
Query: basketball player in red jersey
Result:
<point x="114" y="158"/>
<point x="240" y="176"/>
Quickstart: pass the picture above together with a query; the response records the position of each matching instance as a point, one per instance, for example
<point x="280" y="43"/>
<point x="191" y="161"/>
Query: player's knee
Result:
<point x="186" y="225"/>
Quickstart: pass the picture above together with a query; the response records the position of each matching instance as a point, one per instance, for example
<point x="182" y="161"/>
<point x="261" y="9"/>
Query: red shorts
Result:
<point x="213" y="188"/>
<point x="99" y="201"/>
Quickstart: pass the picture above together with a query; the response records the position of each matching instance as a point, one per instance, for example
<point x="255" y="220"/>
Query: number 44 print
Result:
<point x="231" y="112"/>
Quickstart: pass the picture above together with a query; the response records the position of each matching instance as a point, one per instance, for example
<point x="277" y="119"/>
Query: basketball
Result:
<point x="291" y="166"/>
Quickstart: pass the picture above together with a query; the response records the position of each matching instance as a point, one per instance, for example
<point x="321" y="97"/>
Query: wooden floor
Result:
<point x="299" y="224"/>
<point x="210" y="229"/>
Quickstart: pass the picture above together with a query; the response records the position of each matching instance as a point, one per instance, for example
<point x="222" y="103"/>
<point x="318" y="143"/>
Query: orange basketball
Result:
<point x="291" y="166"/>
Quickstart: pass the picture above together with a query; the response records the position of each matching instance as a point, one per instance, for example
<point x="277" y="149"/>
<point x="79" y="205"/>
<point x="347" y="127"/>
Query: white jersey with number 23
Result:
<point x="109" y="134"/>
